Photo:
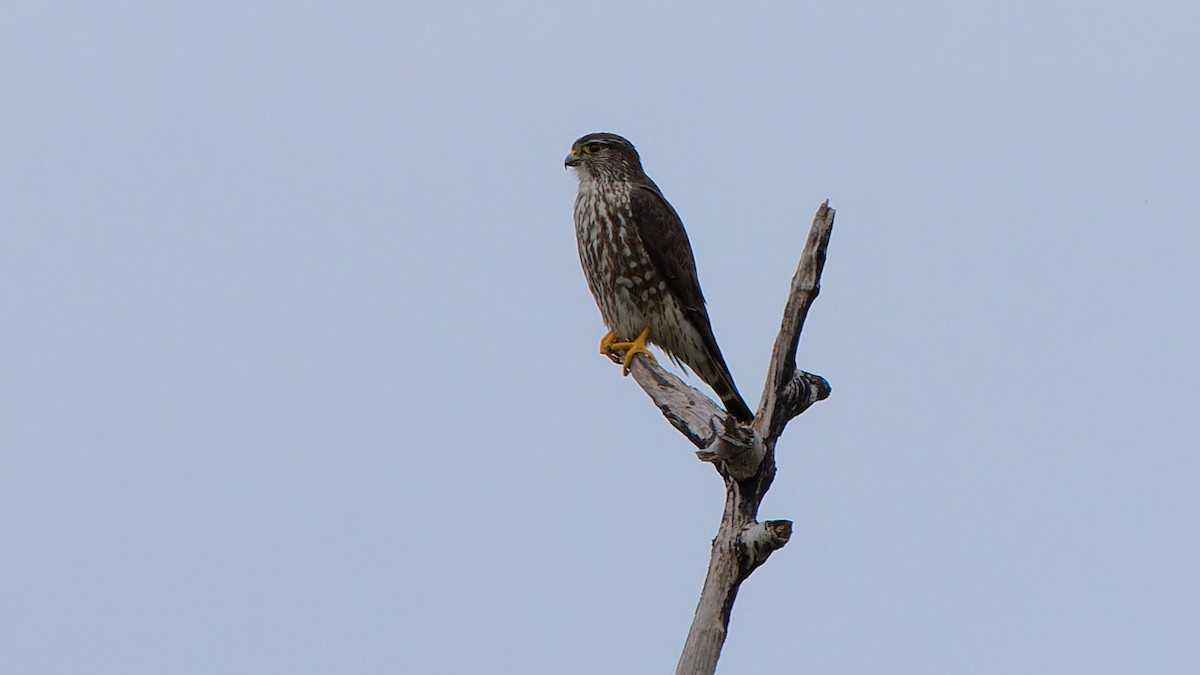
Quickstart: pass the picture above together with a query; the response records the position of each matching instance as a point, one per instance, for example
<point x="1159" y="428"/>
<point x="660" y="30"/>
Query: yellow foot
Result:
<point x="631" y="349"/>
<point x="606" y="343"/>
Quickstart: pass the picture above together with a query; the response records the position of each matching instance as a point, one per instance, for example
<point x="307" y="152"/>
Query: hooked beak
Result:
<point x="571" y="160"/>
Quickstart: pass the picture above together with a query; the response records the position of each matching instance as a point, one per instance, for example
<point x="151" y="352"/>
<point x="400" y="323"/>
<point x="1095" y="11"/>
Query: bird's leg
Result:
<point x="638" y="346"/>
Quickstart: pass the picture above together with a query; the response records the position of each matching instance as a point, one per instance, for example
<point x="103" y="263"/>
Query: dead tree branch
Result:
<point x="743" y="456"/>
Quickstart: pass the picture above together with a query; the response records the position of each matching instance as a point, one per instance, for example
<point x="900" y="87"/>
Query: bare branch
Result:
<point x="760" y="540"/>
<point x="711" y="622"/>
<point x="806" y="285"/>
<point x="739" y="450"/>
<point x="700" y="420"/>
<point x="684" y="406"/>
<point x="800" y="392"/>
<point x="744" y="455"/>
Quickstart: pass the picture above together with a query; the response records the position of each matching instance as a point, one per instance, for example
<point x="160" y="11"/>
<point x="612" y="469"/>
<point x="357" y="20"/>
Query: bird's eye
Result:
<point x="591" y="148"/>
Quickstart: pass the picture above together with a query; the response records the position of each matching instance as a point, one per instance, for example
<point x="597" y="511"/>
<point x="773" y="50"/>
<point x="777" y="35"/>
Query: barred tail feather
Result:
<point x="717" y="376"/>
<point x="706" y="360"/>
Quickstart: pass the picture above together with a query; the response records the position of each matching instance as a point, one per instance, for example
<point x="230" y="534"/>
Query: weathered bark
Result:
<point x="744" y="456"/>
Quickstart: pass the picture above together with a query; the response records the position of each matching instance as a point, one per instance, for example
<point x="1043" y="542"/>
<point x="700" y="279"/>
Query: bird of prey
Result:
<point x="639" y="265"/>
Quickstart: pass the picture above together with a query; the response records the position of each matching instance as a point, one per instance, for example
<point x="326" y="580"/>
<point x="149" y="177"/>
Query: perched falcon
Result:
<point x="639" y="265"/>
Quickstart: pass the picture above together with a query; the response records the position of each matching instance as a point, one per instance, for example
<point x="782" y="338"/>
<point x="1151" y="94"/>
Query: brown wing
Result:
<point x="670" y="251"/>
<point x="667" y="244"/>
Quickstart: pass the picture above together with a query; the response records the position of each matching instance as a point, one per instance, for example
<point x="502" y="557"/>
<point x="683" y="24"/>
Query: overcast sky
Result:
<point x="298" y="369"/>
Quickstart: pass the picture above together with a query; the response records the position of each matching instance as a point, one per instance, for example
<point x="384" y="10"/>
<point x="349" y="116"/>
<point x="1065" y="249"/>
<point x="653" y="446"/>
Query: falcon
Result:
<point x="640" y="268"/>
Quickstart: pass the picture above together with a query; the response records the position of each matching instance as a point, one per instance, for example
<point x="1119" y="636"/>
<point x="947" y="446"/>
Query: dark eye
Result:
<point x="591" y="148"/>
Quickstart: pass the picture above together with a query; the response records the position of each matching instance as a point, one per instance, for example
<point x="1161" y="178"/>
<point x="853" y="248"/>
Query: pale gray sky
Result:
<point x="298" y="369"/>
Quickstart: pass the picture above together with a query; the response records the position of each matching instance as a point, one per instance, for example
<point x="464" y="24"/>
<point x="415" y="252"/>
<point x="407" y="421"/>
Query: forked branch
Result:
<point x="744" y="456"/>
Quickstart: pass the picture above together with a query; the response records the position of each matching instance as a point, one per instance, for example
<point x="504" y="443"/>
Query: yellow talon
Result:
<point x="638" y="346"/>
<point x="606" y="343"/>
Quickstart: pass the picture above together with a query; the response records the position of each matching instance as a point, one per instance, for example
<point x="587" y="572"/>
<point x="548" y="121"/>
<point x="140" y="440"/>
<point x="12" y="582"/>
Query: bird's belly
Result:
<point x="627" y="314"/>
<point x="629" y="294"/>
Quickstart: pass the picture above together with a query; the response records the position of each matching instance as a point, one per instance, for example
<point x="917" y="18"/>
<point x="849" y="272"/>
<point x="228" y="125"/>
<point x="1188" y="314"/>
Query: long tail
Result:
<point x="712" y="369"/>
<point x="724" y="387"/>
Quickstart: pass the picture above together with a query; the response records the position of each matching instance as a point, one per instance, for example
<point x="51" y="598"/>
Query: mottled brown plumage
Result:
<point x="639" y="264"/>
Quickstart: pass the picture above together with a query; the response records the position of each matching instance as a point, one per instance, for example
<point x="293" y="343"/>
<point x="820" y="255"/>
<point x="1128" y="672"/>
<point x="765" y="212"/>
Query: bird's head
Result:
<point x="604" y="155"/>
